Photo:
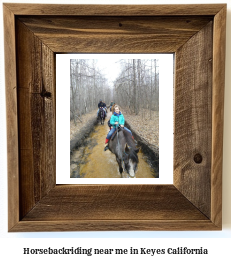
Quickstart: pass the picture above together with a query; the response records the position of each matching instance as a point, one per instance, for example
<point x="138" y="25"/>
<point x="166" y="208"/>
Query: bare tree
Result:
<point x="87" y="87"/>
<point x="137" y="86"/>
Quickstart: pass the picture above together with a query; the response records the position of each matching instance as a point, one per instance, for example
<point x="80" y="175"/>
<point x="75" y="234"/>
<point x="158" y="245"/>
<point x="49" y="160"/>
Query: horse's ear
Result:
<point x="126" y="148"/>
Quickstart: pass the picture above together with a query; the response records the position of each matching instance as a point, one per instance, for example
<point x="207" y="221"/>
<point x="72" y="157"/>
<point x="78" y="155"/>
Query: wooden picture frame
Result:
<point x="33" y="34"/>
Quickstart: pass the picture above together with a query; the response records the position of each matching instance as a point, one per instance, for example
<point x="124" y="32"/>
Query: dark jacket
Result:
<point x="101" y="104"/>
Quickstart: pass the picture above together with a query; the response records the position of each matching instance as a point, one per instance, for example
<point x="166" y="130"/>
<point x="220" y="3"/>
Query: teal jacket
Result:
<point x="117" y="118"/>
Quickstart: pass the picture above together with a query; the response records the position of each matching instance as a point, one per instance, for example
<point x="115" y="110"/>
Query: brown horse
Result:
<point x="113" y="108"/>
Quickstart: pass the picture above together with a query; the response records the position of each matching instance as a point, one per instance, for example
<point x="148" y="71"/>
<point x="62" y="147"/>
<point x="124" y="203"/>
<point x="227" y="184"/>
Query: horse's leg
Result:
<point x="120" y="166"/>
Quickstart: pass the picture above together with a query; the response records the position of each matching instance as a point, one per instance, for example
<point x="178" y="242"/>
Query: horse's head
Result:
<point x="130" y="160"/>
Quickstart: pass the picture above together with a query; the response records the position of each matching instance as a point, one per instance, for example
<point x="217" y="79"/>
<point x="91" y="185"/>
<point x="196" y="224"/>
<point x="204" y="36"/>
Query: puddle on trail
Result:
<point x="91" y="161"/>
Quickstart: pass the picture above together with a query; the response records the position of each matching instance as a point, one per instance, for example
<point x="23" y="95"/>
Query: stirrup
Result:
<point x="106" y="148"/>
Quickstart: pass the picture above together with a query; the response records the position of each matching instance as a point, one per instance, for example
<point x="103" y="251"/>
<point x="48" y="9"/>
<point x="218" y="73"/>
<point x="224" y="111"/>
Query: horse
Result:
<point x="112" y="108"/>
<point x="124" y="148"/>
<point x="102" y="115"/>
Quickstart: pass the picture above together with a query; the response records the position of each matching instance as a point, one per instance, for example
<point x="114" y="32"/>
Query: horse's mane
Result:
<point x="128" y="138"/>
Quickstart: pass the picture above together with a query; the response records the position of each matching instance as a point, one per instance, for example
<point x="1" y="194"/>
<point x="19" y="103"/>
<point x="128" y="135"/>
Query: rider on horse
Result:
<point x="101" y="104"/>
<point x="117" y="119"/>
<point x="111" y="104"/>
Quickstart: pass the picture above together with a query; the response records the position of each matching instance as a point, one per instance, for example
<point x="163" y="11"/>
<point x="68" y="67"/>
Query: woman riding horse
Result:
<point x="123" y="144"/>
<point x="117" y="119"/>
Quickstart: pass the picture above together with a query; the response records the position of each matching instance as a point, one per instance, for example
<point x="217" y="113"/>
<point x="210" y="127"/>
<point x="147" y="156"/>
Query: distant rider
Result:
<point x="104" y="107"/>
<point x="101" y="104"/>
<point x="111" y="104"/>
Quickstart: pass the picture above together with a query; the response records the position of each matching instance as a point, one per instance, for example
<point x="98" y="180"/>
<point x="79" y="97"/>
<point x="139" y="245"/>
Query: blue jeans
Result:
<point x="113" y="130"/>
<point x="128" y="130"/>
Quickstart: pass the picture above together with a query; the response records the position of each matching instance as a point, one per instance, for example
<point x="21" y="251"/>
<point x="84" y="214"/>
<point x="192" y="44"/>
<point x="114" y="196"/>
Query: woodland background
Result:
<point x="135" y="88"/>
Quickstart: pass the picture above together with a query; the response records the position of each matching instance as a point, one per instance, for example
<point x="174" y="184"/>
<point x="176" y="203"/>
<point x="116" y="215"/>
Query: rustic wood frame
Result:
<point x="33" y="34"/>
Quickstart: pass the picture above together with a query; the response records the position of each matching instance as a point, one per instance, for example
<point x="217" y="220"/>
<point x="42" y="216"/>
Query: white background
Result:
<point x="63" y="119"/>
<point x="218" y="243"/>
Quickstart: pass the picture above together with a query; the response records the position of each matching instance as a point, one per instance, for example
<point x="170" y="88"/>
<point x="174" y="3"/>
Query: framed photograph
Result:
<point x="35" y="36"/>
<point x="111" y="76"/>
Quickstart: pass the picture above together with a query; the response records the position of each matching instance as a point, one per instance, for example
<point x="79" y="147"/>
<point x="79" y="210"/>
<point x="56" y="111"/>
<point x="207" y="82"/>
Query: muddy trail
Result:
<point x="91" y="161"/>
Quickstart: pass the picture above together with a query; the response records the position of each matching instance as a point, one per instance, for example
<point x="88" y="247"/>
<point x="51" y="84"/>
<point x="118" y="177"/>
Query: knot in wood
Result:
<point x="45" y="94"/>
<point x="198" y="158"/>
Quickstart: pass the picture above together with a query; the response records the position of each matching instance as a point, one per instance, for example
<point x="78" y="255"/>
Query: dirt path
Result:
<point x="91" y="161"/>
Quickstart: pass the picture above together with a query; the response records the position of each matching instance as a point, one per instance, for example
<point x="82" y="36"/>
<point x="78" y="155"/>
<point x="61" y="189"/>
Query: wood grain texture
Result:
<point x="99" y="202"/>
<point x="11" y="116"/>
<point x="114" y="225"/>
<point x="114" y="34"/>
<point x="92" y="208"/>
<point x="114" y="10"/>
<point x="35" y="66"/>
<point x="193" y="126"/>
<point x="218" y="114"/>
<point x="194" y="201"/>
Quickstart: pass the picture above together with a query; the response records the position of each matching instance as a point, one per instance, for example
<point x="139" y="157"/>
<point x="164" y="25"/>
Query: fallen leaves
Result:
<point x="79" y="125"/>
<point x="147" y="128"/>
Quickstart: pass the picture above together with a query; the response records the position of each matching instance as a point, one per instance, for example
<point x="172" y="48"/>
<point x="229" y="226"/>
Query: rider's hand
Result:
<point x="116" y="122"/>
<point x="122" y="126"/>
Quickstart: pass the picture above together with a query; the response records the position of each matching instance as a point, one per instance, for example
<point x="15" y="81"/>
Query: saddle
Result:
<point x="113" y="135"/>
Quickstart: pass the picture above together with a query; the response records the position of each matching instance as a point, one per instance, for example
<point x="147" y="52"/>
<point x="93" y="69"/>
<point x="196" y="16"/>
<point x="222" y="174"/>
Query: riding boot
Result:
<point x="106" y="142"/>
